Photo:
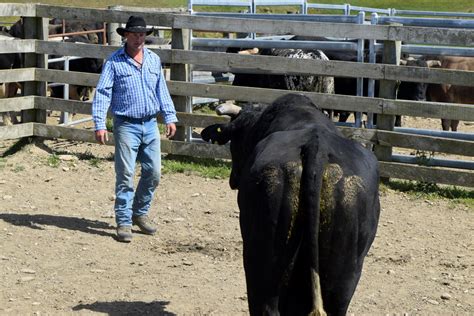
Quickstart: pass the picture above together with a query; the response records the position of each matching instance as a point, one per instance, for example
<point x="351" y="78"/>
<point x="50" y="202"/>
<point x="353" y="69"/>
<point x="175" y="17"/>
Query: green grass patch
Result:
<point x="18" y="168"/>
<point x="109" y="124"/>
<point x="208" y="168"/>
<point x="95" y="162"/>
<point x="53" y="160"/>
<point x="429" y="191"/>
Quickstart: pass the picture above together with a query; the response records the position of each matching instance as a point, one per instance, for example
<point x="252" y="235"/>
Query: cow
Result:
<point x="287" y="82"/>
<point x="309" y="205"/>
<point x="57" y="26"/>
<point x="91" y="65"/>
<point x="452" y="93"/>
<point x="311" y="83"/>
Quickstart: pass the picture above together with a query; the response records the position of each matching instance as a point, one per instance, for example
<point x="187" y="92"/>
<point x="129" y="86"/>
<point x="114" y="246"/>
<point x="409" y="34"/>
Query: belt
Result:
<point x="135" y="120"/>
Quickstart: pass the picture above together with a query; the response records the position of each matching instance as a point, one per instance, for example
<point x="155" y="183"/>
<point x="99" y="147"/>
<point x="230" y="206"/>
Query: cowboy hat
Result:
<point x="135" y="24"/>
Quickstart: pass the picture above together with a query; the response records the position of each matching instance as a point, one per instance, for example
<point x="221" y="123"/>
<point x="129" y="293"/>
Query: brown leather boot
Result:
<point x="124" y="233"/>
<point x="145" y="224"/>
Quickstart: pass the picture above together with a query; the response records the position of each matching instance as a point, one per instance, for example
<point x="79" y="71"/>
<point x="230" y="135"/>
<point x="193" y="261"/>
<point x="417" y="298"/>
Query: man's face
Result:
<point x="135" y="41"/>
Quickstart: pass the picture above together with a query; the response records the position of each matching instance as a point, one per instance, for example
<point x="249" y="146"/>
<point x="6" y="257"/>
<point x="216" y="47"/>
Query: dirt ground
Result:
<point x="58" y="254"/>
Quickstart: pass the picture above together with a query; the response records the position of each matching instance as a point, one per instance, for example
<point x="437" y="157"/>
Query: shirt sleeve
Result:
<point x="166" y="103"/>
<point x="103" y="96"/>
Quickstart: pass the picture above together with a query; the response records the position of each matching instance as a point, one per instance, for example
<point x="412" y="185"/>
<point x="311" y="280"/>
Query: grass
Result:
<point x="18" y="168"/>
<point x="431" y="191"/>
<point x="95" y="162"/>
<point x="53" y="160"/>
<point x="207" y="168"/>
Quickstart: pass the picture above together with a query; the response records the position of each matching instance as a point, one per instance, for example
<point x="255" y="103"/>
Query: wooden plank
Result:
<point x="71" y="77"/>
<point x="17" y="46"/>
<point x="74" y="49"/>
<point x="426" y="143"/>
<point x="17" y="75"/>
<point x="388" y="90"/>
<point x="408" y="34"/>
<point x="411" y="141"/>
<point x="458" y="111"/>
<point x="281" y="65"/>
<point x="427" y="174"/>
<point x="17" y="104"/>
<point x="198" y="120"/>
<point x="16" y="131"/>
<point x="224" y="92"/>
<point x="431" y="75"/>
<point x="277" y="65"/>
<point x="101" y="15"/>
<point x="203" y="150"/>
<point x="166" y="55"/>
<point x="180" y="72"/>
<point x="71" y="133"/>
<point x="34" y="28"/>
<point x="18" y="9"/>
<point x="70" y="106"/>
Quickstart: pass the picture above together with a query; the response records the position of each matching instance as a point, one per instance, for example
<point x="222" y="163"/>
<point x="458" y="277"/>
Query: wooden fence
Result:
<point x="34" y="102"/>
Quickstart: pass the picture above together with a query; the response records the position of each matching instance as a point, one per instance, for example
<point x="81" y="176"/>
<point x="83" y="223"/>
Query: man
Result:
<point x="133" y="85"/>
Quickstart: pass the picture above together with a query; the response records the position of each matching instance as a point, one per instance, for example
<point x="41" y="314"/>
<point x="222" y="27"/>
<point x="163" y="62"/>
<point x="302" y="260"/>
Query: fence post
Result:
<point x="35" y="28"/>
<point x="360" y="59"/>
<point x="113" y="38"/>
<point x="180" y="72"/>
<point x="387" y="90"/>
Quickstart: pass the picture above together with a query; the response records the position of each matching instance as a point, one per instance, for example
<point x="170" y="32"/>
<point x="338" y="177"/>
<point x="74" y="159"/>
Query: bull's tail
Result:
<point x="313" y="161"/>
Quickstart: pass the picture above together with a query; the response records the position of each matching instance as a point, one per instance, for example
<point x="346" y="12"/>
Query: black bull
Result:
<point x="309" y="206"/>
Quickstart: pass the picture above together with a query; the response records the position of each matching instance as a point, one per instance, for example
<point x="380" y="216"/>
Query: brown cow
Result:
<point x="451" y="93"/>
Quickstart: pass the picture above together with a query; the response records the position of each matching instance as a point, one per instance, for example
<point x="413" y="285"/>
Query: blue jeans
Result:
<point x="135" y="140"/>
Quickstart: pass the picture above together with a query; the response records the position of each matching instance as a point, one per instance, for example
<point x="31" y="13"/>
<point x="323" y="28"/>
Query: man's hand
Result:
<point x="170" y="130"/>
<point x="101" y="136"/>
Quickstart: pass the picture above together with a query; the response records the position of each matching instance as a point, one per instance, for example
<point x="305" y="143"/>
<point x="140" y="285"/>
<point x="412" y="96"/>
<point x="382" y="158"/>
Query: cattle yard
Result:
<point x="34" y="103"/>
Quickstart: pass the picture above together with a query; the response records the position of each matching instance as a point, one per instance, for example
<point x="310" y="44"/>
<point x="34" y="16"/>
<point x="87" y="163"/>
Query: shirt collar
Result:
<point x="123" y="53"/>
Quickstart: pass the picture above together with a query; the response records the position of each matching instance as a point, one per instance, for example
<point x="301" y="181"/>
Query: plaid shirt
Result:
<point x="131" y="91"/>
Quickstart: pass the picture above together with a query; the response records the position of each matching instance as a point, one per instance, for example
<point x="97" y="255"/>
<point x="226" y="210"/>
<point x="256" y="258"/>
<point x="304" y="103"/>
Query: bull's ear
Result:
<point x="217" y="133"/>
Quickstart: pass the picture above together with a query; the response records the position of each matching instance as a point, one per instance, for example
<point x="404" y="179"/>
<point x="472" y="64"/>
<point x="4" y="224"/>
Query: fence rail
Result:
<point x="305" y="6"/>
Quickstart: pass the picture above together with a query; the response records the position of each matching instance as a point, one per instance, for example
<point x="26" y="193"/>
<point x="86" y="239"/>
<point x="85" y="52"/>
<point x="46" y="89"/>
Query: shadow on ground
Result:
<point x="127" y="308"/>
<point x="71" y="223"/>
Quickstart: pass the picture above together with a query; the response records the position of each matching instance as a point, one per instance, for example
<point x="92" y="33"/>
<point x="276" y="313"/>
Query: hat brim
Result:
<point x="122" y="30"/>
